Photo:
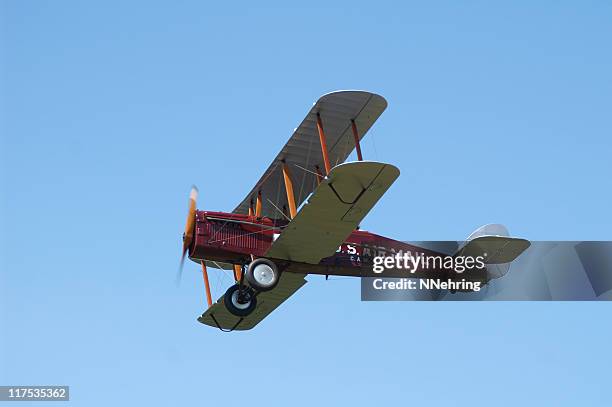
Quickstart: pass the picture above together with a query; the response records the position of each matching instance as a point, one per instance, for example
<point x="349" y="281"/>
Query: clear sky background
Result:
<point x="111" y="110"/>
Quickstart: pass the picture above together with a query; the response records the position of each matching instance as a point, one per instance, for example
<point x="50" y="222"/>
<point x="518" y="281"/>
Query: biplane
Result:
<point x="303" y="215"/>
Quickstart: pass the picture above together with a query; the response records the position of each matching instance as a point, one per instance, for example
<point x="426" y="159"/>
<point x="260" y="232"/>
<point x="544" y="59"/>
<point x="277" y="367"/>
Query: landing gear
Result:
<point x="240" y="300"/>
<point x="262" y="274"/>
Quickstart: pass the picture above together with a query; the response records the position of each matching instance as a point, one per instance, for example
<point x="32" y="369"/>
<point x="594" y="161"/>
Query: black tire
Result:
<point x="230" y="299"/>
<point x="270" y="274"/>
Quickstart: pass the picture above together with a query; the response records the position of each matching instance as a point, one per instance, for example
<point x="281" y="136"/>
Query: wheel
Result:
<point x="262" y="274"/>
<point x="240" y="304"/>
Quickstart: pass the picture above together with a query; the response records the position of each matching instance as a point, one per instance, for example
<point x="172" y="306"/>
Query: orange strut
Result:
<point x="205" y="274"/>
<point x="258" y="205"/>
<point x="323" y="144"/>
<point x="356" y="136"/>
<point x="289" y="189"/>
<point x="237" y="272"/>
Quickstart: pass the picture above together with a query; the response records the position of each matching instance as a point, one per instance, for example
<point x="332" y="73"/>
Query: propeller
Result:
<point x="189" y="230"/>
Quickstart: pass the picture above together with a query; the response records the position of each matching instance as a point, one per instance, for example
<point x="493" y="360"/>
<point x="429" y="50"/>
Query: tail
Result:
<point x="493" y="242"/>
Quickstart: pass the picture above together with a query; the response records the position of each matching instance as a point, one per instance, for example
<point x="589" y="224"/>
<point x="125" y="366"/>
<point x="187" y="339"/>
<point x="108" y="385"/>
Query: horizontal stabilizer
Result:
<point x="495" y="249"/>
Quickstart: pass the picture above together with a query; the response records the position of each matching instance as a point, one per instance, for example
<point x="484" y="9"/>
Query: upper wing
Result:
<point x="333" y="211"/>
<point x="302" y="152"/>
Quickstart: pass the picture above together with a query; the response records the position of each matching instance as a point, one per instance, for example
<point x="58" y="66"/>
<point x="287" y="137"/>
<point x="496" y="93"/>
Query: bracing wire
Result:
<point x="281" y="212"/>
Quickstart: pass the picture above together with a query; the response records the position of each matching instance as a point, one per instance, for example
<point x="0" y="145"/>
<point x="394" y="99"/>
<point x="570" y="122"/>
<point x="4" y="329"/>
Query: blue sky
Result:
<point x="110" y="111"/>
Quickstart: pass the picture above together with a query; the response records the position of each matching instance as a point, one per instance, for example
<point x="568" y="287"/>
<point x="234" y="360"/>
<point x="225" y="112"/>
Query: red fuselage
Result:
<point x="232" y="238"/>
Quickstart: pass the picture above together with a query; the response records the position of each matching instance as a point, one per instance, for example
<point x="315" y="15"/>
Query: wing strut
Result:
<point x="356" y="136"/>
<point x="289" y="190"/>
<point x="207" y="284"/>
<point x="323" y="144"/>
<point x="237" y="272"/>
<point x="258" y="205"/>
<point x="251" y="213"/>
